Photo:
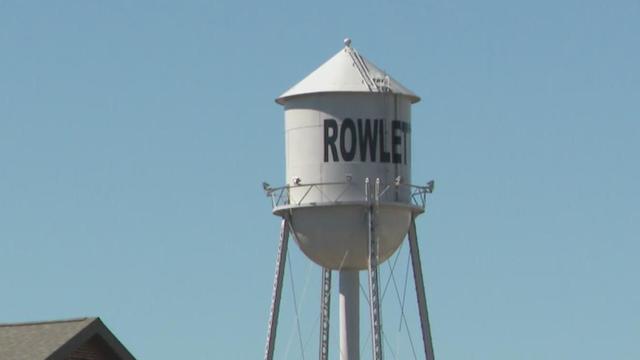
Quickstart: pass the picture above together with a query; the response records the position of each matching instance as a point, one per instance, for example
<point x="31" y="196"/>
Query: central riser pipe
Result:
<point x="349" y="315"/>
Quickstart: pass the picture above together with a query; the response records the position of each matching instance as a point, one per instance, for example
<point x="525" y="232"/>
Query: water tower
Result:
<point x="348" y="200"/>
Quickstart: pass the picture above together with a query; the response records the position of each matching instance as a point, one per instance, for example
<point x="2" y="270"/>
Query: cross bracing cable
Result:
<point x="386" y="285"/>
<point x="389" y="347"/>
<point x="295" y="308"/>
<point x="403" y="318"/>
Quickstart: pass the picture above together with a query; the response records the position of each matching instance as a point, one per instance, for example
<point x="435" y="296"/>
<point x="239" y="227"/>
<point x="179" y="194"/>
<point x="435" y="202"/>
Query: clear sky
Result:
<point x="134" y="137"/>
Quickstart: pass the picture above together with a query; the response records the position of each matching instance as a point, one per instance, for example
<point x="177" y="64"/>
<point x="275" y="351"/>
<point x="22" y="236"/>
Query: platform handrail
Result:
<point x="280" y="196"/>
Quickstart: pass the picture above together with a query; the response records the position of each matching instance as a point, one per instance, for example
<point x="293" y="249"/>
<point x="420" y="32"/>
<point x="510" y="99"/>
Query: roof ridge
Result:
<point x="33" y="323"/>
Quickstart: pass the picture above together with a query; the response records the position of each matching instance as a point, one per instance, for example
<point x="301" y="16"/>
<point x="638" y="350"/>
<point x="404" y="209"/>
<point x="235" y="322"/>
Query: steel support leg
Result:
<point x="374" y="299"/>
<point x="277" y="290"/>
<point x="325" y="304"/>
<point x="422" y="299"/>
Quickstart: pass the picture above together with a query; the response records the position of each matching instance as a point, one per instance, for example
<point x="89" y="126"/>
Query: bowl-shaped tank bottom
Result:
<point x="336" y="237"/>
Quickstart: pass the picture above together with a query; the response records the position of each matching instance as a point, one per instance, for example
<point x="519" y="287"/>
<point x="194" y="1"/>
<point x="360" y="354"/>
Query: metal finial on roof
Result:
<point x="347" y="42"/>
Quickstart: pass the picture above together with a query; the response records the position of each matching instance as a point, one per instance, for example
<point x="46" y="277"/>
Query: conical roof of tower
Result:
<point x="347" y="71"/>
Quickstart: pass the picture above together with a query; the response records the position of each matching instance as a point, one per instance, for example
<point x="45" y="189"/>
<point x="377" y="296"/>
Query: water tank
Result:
<point x="348" y="150"/>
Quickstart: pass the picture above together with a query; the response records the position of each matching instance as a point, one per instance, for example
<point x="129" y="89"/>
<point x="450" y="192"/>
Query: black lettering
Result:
<point x="385" y="157"/>
<point x="396" y="126"/>
<point x="367" y="139"/>
<point x="348" y="154"/>
<point x="330" y="139"/>
<point x="405" y="130"/>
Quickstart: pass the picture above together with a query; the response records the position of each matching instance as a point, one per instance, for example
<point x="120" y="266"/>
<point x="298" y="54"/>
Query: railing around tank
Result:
<point x="280" y="196"/>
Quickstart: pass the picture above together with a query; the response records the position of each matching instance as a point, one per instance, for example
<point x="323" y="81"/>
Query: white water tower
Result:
<point x="348" y="197"/>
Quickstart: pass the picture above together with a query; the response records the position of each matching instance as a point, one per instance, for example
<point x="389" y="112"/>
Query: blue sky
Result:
<point x="134" y="137"/>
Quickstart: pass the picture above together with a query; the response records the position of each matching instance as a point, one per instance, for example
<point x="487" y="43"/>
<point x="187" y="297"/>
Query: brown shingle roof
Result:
<point x="53" y="340"/>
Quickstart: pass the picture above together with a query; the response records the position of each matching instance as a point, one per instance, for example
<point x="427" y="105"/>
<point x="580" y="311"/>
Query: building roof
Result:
<point x="54" y="340"/>
<point x="347" y="71"/>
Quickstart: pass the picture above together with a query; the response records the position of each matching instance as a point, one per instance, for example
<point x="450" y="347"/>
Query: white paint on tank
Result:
<point x="345" y="123"/>
<point x="319" y="133"/>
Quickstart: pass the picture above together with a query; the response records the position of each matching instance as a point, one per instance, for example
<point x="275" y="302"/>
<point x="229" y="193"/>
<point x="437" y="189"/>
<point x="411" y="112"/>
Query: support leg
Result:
<point x="376" y="326"/>
<point x="277" y="290"/>
<point x="422" y="299"/>
<point x="325" y="304"/>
